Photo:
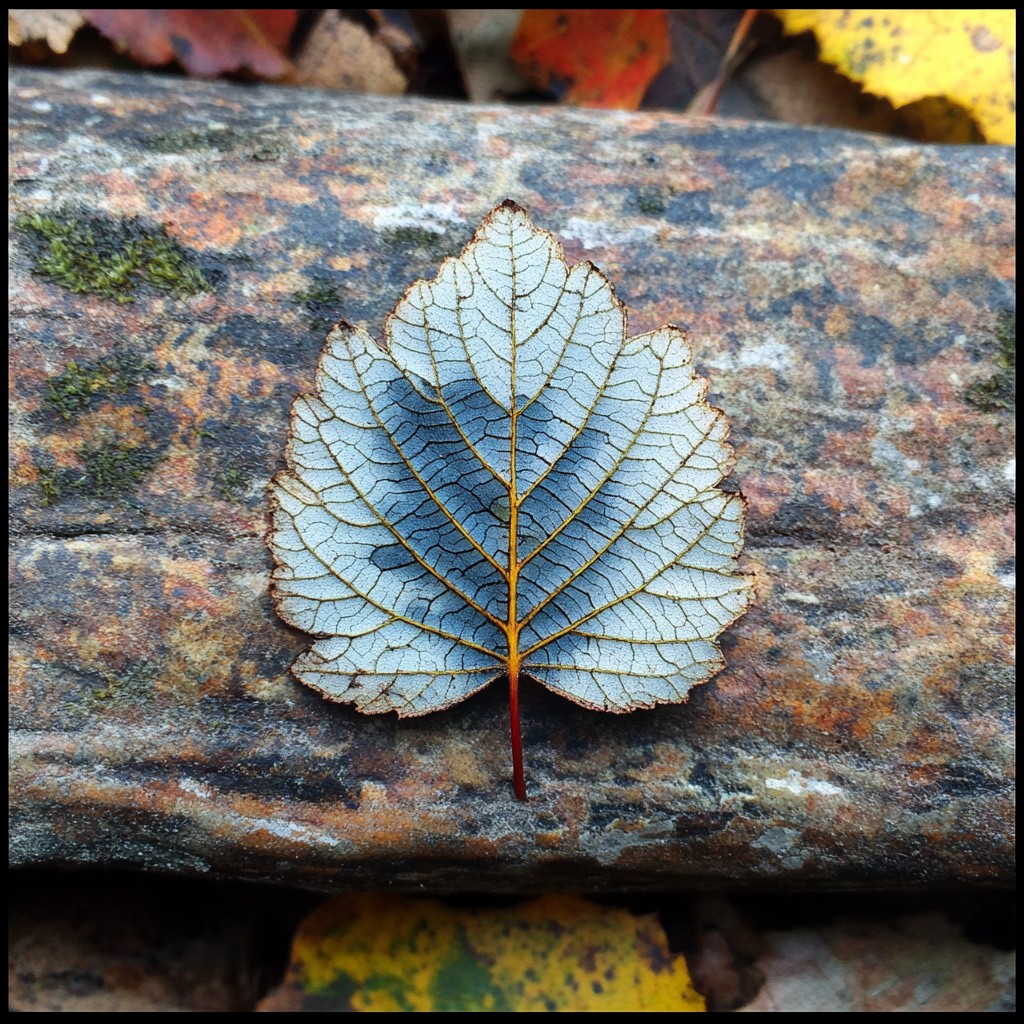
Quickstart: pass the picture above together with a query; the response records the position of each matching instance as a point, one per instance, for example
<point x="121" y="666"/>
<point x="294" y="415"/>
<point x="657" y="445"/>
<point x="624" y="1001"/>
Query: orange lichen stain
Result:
<point x="748" y="648"/>
<point x="21" y="668"/>
<point x="186" y="587"/>
<point x="766" y="492"/>
<point x="102" y="424"/>
<point x="121" y="644"/>
<point x="228" y="379"/>
<point x="417" y="806"/>
<point x="402" y="831"/>
<point x="842" y="492"/>
<point x="917" y="620"/>
<point x="372" y="795"/>
<point x="842" y="709"/>
<point x="928" y="748"/>
<point x="628" y="825"/>
<point x="351" y="195"/>
<point x="464" y="768"/>
<point x="829" y="719"/>
<point x="859" y="189"/>
<point x="344" y="264"/>
<point x="222" y="229"/>
<point x="989" y="729"/>
<point x="866" y="387"/>
<point x="549" y="840"/>
<point x="935" y="423"/>
<point x="64" y="449"/>
<point x="989" y="542"/>
<point x="839" y="322"/>
<point x="24" y="472"/>
<point x="1003" y="263"/>
<point x="211" y="392"/>
<point x="200" y="660"/>
<point x="920" y="775"/>
<point x="124" y="195"/>
<point x="214" y="222"/>
<point x="254" y="378"/>
<point x="669" y="762"/>
<point x="707" y="324"/>
<point x="845" y="488"/>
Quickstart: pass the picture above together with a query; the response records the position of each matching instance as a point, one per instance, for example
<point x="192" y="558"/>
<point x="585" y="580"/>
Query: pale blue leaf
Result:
<point x="513" y="487"/>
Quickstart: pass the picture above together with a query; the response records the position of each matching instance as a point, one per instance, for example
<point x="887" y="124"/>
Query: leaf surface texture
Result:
<point x="513" y="487"/>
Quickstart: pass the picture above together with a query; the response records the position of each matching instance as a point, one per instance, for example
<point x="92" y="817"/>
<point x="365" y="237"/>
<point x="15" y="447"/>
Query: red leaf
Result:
<point x="205" y="43"/>
<point x="603" y="58"/>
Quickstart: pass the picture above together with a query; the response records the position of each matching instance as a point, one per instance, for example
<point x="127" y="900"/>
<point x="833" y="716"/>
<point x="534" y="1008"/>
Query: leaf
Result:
<point x="368" y="953"/>
<point x="57" y="27"/>
<point x="204" y="42"/>
<point x="515" y="488"/>
<point x="968" y="57"/>
<point x="481" y="40"/>
<point x="603" y="58"/>
<point x="341" y="54"/>
<point x="705" y="47"/>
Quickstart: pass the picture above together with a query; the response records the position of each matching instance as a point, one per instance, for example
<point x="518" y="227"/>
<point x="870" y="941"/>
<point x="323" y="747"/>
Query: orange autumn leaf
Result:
<point x="204" y="42"/>
<point x="602" y="58"/>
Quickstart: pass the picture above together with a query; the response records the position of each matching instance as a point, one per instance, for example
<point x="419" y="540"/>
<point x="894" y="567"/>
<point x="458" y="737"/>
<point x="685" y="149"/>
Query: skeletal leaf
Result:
<point x="513" y="488"/>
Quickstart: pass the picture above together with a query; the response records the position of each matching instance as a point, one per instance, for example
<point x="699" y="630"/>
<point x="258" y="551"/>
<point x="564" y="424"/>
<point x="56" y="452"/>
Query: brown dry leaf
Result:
<point x="797" y="89"/>
<point x="341" y="54"/>
<point x="707" y="46"/>
<point x="57" y="28"/>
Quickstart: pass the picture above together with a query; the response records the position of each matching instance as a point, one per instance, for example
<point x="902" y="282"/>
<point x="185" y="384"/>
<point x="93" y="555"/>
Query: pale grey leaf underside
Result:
<point x="515" y="480"/>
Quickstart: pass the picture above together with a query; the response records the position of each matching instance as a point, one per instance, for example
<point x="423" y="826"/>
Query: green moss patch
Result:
<point x="134" y="685"/>
<point x="410" y="238"/>
<point x="111" y="470"/>
<point x="997" y="391"/>
<point x="322" y="301"/>
<point x="650" y="199"/>
<point x="72" y="390"/>
<point x="109" y="257"/>
<point x="231" y="483"/>
<point x="257" y="145"/>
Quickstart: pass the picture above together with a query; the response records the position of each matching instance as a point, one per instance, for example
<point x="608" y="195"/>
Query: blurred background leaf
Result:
<point x="57" y="28"/>
<point x="205" y="42"/>
<point x="481" y="40"/>
<point x="365" y="952"/>
<point x="928" y="75"/>
<point x="342" y="54"/>
<point x="593" y="58"/>
<point x="964" y="58"/>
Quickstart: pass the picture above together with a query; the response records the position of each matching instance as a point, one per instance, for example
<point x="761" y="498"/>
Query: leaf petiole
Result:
<point x="518" y="781"/>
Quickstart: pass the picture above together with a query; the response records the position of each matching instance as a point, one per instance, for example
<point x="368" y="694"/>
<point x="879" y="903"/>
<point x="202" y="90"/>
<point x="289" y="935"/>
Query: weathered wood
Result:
<point x="847" y="296"/>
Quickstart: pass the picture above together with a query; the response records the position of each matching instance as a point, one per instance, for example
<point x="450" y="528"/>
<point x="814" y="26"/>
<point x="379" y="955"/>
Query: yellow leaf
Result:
<point x="393" y="953"/>
<point x="966" y="57"/>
